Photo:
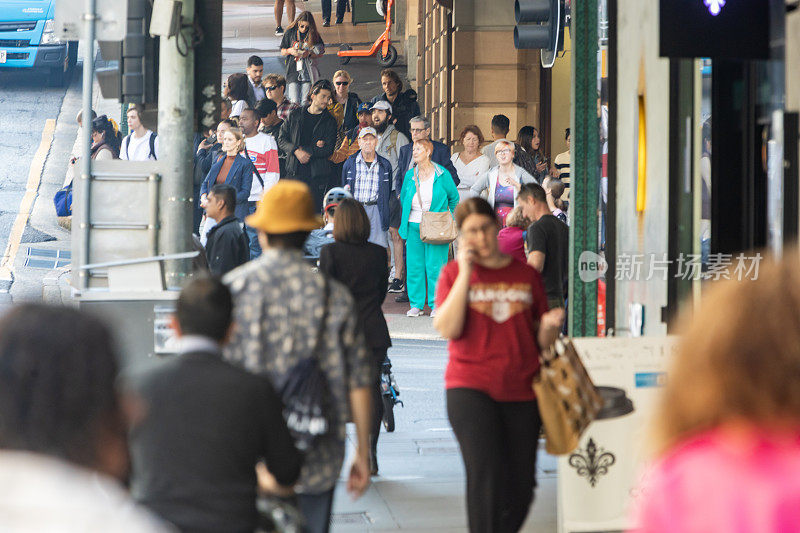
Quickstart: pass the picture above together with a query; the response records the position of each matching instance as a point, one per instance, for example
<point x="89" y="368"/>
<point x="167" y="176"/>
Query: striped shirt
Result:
<point x="368" y="180"/>
<point x="562" y="164"/>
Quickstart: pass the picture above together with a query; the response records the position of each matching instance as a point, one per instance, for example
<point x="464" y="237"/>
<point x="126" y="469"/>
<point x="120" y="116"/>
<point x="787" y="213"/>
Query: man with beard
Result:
<point x="404" y="103"/>
<point x="255" y="92"/>
<point x="390" y="141"/>
<point x="308" y="138"/>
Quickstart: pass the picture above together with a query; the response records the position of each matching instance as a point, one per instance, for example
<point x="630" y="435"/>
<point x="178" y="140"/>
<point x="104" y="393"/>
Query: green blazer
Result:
<point x="445" y="195"/>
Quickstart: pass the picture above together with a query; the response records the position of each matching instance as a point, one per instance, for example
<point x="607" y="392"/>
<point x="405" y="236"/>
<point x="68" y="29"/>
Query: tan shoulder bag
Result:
<point x="435" y="228"/>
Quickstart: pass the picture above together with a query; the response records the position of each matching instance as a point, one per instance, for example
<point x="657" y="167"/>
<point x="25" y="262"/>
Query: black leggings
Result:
<point x="498" y="445"/>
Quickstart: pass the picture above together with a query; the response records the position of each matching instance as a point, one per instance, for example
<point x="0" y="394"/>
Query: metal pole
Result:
<point x="176" y="133"/>
<point x="82" y="235"/>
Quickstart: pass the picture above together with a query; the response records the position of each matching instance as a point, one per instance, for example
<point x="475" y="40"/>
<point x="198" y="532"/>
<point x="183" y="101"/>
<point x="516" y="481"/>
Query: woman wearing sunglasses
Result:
<point x="301" y="46"/>
<point x="344" y="103"/>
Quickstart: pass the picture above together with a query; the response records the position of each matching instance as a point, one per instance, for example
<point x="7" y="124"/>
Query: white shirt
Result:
<point x="258" y="90"/>
<point x="426" y="191"/>
<point x="263" y="152"/>
<point x="471" y="173"/>
<point x="48" y="495"/>
<point x="237" y="107"/>
<point x="138" y="148"/>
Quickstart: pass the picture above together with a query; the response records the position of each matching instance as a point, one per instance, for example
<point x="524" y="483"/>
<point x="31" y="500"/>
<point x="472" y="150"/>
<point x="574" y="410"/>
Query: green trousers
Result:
<point x="423" y="264"/>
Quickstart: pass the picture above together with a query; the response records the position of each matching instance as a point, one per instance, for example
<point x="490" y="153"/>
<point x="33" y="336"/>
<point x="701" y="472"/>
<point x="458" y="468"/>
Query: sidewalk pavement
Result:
<point x="249" y="29"/>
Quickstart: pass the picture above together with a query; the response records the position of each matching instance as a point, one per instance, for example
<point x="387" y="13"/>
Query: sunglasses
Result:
<point x="271" y="88"/>
<point x="342" y="83"/>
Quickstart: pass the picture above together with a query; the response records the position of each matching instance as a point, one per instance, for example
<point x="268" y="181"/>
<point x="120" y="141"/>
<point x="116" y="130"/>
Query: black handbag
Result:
<point x="306" y="394"/>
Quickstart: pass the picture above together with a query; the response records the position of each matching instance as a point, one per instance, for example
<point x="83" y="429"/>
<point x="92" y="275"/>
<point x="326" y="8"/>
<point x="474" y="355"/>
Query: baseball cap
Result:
<point x="367" y="131"/>
<point x="364" y="107"/>
<point x="382" y="104"/>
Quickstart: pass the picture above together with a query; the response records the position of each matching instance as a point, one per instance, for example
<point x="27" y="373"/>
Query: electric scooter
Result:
<point x="389" y="394"/>
<point x="387" y="53"/>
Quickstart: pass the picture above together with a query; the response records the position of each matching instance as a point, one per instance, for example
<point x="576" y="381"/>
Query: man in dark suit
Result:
<point x="206" y="425"/>
<point x="421" y="129"/>
<point x="227" y="246"/>
<point x="255" y="92"/>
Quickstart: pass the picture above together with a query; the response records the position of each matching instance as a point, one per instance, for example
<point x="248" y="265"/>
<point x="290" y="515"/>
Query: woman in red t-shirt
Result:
<point x="494" y="311"/>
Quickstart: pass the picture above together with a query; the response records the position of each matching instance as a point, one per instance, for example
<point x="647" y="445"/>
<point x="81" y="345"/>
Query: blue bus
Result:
<point x="28" y="40"/>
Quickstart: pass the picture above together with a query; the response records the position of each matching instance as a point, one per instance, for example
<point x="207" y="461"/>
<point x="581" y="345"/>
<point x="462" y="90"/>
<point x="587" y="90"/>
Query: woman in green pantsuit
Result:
<point x="437" y="194"/>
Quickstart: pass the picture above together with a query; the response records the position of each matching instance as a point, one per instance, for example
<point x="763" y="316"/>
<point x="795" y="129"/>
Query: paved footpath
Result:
<point x="421" y="482"/>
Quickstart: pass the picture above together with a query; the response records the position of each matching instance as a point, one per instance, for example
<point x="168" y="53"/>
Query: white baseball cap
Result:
<point x="382" y="104"/>
<point x="367" y="131"/>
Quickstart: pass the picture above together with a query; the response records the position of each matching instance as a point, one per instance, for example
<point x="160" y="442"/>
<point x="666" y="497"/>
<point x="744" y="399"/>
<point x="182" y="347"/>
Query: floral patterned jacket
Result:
<point x="278" y="310"/>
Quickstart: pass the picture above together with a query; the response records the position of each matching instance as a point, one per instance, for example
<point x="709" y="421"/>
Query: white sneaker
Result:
<point x="414" y="311"/>
<point x="433" y="313"/>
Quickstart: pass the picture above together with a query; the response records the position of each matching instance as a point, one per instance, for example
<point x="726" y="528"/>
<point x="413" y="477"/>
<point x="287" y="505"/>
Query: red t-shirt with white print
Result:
<point x="497" y="353"/>
<point x="263" y="152"/>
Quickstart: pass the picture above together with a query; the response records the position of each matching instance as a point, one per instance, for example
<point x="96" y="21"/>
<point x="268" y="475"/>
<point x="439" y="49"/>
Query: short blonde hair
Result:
<point x="517" y="219"/>
<point x="739" y="356"/>
<point x="504" y="142"/>
<point x="240" y="138"/>
<point x="342" y="74"/>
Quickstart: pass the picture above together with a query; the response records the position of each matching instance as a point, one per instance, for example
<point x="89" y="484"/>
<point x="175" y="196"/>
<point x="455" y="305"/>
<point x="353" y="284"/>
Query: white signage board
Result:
<point x="597" y="482"/>
<point x="111" y="22"/>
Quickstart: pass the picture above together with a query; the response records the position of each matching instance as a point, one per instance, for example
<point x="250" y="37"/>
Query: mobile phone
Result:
<point x="212" y="139"/>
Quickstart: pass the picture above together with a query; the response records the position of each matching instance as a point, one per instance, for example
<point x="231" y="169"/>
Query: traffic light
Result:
<point x="539" y="25"/>
<point x="132" y="75"/>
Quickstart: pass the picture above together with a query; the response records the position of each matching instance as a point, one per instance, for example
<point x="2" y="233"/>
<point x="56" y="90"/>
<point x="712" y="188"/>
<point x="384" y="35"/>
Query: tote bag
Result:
<point x="435" y="228"/>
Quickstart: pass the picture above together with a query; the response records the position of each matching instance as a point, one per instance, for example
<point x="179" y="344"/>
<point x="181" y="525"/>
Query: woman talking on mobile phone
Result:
<point x="494" y="311"/>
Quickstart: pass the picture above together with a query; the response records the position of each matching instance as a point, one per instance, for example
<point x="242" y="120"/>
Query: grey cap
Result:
<point x="367" y="131"/>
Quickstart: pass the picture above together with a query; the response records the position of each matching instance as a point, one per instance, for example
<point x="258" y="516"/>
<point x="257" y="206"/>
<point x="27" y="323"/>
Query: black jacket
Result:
<point x="404" y="108"/>
<point x="350" y="109"/>
<point x="193" y="456"/>
<point x="289" y="141"/>
<point x="363" y="269"/>
<point x="226" y="246"/>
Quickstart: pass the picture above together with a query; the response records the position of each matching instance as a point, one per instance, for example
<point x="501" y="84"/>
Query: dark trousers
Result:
<point x="317" y="185"/>
<point x="498" y="443"/>
<point x="341" y="6"/>
<point x="316" y="509"/>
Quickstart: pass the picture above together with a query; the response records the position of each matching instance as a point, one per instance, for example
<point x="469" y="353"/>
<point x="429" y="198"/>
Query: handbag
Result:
<point x="435" y="228"/>
<point x="568" y="400"/>
<point x="306" y="394"/>
<point x="63" y="201"/>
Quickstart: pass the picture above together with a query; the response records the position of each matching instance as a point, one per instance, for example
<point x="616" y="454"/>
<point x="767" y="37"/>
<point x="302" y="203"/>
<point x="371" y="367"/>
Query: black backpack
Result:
<point x="127" y="142"/>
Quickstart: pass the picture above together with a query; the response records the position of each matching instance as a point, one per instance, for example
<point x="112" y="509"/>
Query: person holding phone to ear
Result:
<point x="494" y="312"/>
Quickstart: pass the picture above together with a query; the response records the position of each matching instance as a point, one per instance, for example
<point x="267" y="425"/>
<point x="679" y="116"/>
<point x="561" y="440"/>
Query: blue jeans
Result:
<point x="252" y="234"/>
<point x="316" y="509"/>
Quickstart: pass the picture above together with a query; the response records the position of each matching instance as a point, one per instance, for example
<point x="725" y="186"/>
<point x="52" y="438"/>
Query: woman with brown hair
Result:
<point x="301" y="46"/>
<point x="494" y="311"/>
<point x="727" y="430"/>
<point x="470" y="163"/>
<point x="236" y="92"/>
<point x="362" y="267"/>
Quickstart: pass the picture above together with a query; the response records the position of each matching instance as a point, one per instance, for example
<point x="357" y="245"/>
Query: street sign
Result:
<point x="112" y="19"/>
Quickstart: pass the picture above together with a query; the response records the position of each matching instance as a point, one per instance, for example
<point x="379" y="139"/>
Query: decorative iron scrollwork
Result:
<point x="592" y="463"/>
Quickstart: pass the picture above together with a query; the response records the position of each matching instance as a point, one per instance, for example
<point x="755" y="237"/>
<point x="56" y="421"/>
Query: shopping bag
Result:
<point x="568" y="400"/>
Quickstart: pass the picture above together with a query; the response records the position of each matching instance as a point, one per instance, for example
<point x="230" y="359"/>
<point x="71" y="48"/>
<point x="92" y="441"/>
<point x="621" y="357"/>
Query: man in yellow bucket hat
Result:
<point x="284" y="312"/>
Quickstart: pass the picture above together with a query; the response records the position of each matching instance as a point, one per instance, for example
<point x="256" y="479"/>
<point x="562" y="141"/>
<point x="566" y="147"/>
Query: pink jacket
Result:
<point x="724" y="482"/>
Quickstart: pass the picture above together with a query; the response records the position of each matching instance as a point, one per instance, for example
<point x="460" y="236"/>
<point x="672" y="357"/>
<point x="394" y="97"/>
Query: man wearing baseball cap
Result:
<point x="368" y="177"/>
<point x="287" y="314"/>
